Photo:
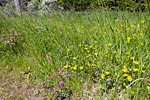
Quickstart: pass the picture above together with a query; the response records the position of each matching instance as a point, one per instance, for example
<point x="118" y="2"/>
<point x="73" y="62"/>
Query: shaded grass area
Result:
<point x="102" y="51"/>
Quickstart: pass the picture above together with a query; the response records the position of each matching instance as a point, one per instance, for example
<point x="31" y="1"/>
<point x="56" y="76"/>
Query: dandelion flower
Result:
<point x="95" y="41"/>
<point x="136" y="62"/>
<point x="142" y="44"/>
<point x="74" y="58"/>
<point x="68" y="50"/>
<point x="96" y="53"/>
<point x="107" y="73"/>
<point x="81" y="67"/>
<point x="90" y="46"/>
<point x="85" y="48"/>
<point x="79" y="45"/>
<point x="125" y="75"/>
<point x="141" y="34"/>
<point x="104" y="32"/>
<point x="135" y="69"/>
<point x="102" y="76"/>
<point x="127" y="29"/>
<point x="142" y="22"/>
<point x="128" y="39"/>
<point x="74" y="68"/>
<point x="94" y="27"/>
<point x="66" y="66"/>
<point x="127" y="53"/>
<point x="110" y="44"/>
<point x="132" y="58"/>
<point x="132" y="26"/>
<point x="129" y="78"/>
<point x="89" y="64"/>
<point x="125" y="70"/>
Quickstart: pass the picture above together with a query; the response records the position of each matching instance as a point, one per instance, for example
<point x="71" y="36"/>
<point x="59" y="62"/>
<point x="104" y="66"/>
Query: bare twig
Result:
<point x="137" y="80"/>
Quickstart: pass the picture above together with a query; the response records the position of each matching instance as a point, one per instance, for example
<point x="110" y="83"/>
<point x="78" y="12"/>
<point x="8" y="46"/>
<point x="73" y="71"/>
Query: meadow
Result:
<point x="95" y="55"/>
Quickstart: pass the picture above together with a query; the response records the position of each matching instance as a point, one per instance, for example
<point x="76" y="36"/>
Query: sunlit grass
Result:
<point x="110" y="49"/>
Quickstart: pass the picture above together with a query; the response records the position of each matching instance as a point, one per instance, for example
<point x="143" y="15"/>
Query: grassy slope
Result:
<point x="107" y="32"/>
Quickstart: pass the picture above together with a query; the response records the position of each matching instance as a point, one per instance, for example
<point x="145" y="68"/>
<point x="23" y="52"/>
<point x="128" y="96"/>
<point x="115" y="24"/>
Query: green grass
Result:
<point x="116" y="45"/>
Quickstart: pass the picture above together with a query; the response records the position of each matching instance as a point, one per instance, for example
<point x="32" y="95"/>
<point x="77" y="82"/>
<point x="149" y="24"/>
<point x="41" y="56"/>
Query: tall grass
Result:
<point x="110" y="49"/>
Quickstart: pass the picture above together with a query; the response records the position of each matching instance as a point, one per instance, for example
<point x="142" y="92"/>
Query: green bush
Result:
<point x="75" y="4"/>
<point x="131" y="5"/>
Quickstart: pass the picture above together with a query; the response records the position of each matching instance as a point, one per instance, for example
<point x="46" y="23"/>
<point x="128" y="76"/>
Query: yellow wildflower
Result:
<point x="96" y="53"/>
<point x="135" y="69"/>
<point x="88" y="51"/>
<point x="125" y="75"/>
<point x="127" y="53"/>
<point x="81" y="67"/>
<point x="79" y="45"/>
<point x="114" y="52"/>
<point x="132" y="58"/>
<point x="134" y="36"/>
<point x="74" y="68"/>
<point x="85" y="48"/>
<point x="109" y="44"/>
<point x="88" y="55"/>
<point x="128" y="39"/>
<point x="68" y="50"/>
<point x="125" y="69"/>
<point x="102" y="76"/>
<point x="143" y="71"/>
<point x="89" y="64"/>
<point x="94" y="27"/>
<point x="136" y="62"/>
<point x="132" y="26"/>
<point x="104" y="32"/>
<point x="141" y="34"/>
<point x="75" y="65"/>
<point x="74" y="58"/>
<point x="95" y="41"/>
<point x="92" y="65"/>
<point x="142" y="22"/>
<point x="90" y="46"/>
<point x="127" y="29"/>
<point x="129" y="78"/>
<point x="142" y="44"/>
<point x="66" y="66"/>
<point x="107" y="73"/>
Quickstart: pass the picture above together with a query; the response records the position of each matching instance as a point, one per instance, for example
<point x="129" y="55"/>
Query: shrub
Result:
<point x="131" y="5"/>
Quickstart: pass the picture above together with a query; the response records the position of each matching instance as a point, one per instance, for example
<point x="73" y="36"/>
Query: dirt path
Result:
<point x="15" y="87"/>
